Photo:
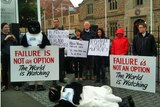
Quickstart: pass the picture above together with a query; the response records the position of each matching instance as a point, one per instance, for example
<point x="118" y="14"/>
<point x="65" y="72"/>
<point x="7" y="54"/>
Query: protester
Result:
<point x="78" y="68"/>
<point x="144" y="43"/>
<point x="56" y="24"/>
<point x="100" y="61"/>
<point x="120" y="44"/>
<point x="7" y="40"/>
<point x="88" y="34"/>
<point x="34" y="37"/>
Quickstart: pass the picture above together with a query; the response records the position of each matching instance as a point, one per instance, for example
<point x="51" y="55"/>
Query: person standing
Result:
<point x="120" y="44"/>
<point x="78" y="61"/>
<point x="88" y="34"/>
<point x="100" y="61"/>
<point x="56" y="24"/>
<point x="7" y="40"/>
<point x="144" y="43"/>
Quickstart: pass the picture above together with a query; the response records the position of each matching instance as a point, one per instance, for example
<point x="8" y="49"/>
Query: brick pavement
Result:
<point x="142" y="99"/>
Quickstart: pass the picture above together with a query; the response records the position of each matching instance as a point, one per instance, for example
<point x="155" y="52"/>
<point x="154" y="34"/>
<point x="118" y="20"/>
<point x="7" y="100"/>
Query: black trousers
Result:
<point x="5" y="61"/>
<point x="100" y="68"/>
<point x="78" y="67"/>
<point x="61" y="65"/>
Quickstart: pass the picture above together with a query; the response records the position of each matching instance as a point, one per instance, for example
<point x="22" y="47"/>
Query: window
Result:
<point x="113" y="4"/>
<point x="90" y="8"/>
<point x="113" y="27"/>
<point x="71" y="19"/>
<point x="139" y="2"/>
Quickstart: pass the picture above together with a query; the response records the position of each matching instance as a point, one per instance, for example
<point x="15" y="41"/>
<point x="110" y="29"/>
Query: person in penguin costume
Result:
<point x="77" y="95"/>
<point x="35" y="37"/>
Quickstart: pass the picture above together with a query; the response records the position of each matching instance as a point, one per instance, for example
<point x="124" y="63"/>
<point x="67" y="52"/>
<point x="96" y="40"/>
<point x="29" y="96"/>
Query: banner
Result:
<point x="99" y="47"/>
<point x="133" y="72"/>
<point x="77" y="48"/>
<point x="34" y="64"/>
<point x="58" y="37"/>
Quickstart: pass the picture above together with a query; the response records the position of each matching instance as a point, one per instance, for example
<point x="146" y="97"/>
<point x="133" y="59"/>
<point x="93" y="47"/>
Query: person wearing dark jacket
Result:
<point x="7" y="40"/>
<point x="144" y="43"/>
<point x="88" y="34"/>
<point x="100" y="61"/>
<point x="78" y="61"/>
<point x="61" y="54"/>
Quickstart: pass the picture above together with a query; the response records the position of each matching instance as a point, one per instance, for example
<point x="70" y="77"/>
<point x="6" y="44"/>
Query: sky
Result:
<point x="76" y="2"/>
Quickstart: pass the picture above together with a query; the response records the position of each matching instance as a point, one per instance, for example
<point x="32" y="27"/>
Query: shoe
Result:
<point x="30" y="88"/>
<point x="97" y="81"/>
<point x="76" y="79"/>
<point x="62" y="81"/>
<point x="80" y="79"/>
<point x="17" y="88"/>
<point x="3" y="88"/>
<point x="40" y="88"/>
<point x="103" y="82"/>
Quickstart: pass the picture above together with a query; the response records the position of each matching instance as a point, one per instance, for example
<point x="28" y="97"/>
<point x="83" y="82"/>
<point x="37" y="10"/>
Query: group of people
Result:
<point x="92" y="67"/>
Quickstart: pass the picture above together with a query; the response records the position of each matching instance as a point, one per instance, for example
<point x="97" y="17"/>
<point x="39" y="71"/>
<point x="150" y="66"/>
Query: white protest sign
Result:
<point x="133" y="72"/>
<point x="77" y="48"/>
<point x="99" y="47"/>
<point x="58" y="37"/>
<point x="34" y="64"/>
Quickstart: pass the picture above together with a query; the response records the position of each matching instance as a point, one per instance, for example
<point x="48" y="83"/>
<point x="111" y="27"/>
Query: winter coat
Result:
<point x="120" y="46"/>
<point x="144" y="46"/>
<point x="88" y="35"/>
<point x="5" y="44"/>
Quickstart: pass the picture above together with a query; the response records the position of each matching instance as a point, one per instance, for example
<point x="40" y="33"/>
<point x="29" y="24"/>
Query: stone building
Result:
<point x="121" y="13"/>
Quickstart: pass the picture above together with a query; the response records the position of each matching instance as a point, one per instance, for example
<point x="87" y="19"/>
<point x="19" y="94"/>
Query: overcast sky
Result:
<point x="76" y="2"/>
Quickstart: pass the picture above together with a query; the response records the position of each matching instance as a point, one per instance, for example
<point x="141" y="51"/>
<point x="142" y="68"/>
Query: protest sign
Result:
<point x="58" y="37"/>
<point x="34" y="64"/>
<point x="99" y="47"/>
<point x="133" y="72"/>
<point x="77" y="48"/>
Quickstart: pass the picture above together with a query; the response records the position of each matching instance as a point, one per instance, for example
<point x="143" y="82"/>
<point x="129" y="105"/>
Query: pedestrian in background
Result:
<point x="120" y="44"/>
<point x="7" y="40"/>
<point x="144" y="43"/>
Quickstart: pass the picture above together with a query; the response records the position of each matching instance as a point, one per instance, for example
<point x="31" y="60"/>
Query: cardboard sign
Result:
<point x="99" y="47"/>
<point x="133" y="72"/>
<point x="58" y="37"/>
<point x="77" y="48"/>
<point x="34" y="64"/>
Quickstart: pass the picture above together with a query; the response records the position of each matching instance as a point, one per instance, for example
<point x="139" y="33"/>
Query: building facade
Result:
<point x="121" y="13"/>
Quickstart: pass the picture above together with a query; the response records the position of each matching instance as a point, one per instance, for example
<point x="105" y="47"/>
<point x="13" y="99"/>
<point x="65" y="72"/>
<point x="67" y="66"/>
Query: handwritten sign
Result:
<point x="133" y="72"/>
<point x="99" y="47"/>
<point x="58" y="37"/>
<point x="34" y="64"/>
<point x="77" y="48"/>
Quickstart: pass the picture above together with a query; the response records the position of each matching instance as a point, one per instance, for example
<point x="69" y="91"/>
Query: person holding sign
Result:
<point x="120" y="44"/>
<point x="56" y="24"/>
<point x="7" y="40"/>
<point x="78" y="61"/>
<point x="144" y="43"/>
<point x="88" y="34"/>
<point x="34" y="37"/>
<point x="100" y="61"/>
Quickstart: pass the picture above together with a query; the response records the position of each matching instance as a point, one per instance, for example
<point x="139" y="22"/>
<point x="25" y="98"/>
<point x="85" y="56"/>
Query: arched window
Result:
<point x="113" y="4"/>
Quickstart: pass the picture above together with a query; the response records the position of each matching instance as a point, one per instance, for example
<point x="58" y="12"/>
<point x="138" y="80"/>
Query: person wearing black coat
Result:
<point x="144" y="43"/>
<point x="88" y="34"/>
<point x="56" y="23"/>
<point x="78" y="67"/>
<point x="100" y="61"/>
<point x="7" y="40"/>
